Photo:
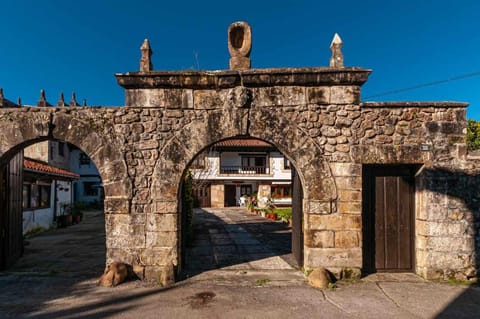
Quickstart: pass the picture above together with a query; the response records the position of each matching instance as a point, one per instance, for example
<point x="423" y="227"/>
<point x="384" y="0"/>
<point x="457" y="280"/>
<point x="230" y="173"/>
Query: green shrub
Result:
<point x="473" y="135"/>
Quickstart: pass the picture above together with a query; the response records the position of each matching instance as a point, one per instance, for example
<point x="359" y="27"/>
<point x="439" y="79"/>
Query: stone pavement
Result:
<point x="232" y="239"/>
<point x="57" y="276"/>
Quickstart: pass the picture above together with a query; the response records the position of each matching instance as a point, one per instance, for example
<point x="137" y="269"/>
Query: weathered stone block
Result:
<point x="162" y="222"/>
<point x="319" y="239"/>
<point x="318" y="95"/>
<point x="349" y="207"/>
<point x="208" y="99"/>
<point x="116" y="205"/>
<point x="161" y="239"/>
<point x="333" y="222"/>
<point x="162" y="275"/>
<point x="344" y="94"/>
<point x="333" y="257"/>
<point x="346" y="169"/>
<point x="346" y="239"/>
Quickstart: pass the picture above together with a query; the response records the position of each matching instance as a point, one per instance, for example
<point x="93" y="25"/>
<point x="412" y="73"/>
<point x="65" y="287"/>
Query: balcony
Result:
<point x="244" y="170"/>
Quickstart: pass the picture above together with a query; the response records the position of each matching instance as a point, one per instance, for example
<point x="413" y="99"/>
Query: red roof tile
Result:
<point x="242" y="142"/>
<point x="45" y="168"/>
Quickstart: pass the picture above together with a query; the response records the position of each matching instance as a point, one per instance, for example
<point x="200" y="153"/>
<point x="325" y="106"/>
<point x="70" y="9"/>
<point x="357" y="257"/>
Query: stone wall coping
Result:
<point x="249" y="78"/>
<point x="402" y="104"/>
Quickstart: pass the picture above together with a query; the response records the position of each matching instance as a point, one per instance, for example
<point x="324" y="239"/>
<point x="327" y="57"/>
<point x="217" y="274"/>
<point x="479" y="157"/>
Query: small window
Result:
<point x="90" y="189"/>
<point x="84" y="159"/>
<point x="36" y="196"/>
<point x="61" y="148"/>
<point x="286" y="163"/>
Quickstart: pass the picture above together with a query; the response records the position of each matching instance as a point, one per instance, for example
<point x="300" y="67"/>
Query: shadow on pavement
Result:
<point x="232" y="238"/>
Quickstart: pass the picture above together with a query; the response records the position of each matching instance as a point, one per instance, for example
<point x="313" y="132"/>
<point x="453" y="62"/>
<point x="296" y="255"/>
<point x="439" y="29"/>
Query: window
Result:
<point x="61" y="148"/>
<point x="281" y="191"/>
<point x="245" y="190"/>
<point x="83" y="159"/>
<point x="286" y="163"/>
<point x="36" y="196"/>
<point x="90" y="189"/>
<point x="255" y="163"/>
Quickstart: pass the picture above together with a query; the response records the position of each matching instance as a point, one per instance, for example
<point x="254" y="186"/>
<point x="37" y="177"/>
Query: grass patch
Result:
<point x="262" y="282"/>
<point x="284" y="212"/>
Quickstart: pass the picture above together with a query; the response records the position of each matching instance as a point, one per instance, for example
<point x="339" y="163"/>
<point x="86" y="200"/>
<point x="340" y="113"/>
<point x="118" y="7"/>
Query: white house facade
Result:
<point x="236" y="168"/>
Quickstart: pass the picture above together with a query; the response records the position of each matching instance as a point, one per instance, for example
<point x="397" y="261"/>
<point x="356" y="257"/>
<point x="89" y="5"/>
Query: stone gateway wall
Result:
<point x="312" y="115"/>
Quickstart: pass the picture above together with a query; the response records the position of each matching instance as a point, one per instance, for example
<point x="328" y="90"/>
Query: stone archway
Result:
<point x="26" y="126"/>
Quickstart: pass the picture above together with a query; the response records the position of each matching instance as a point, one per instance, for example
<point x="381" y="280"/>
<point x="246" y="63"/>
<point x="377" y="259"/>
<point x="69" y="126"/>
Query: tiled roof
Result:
<point x="45" y="168"/>
<point x="242" y="142"/>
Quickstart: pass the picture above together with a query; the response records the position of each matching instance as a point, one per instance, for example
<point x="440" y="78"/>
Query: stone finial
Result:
<point x="239" y="45"/>
<point x="146" y="59"/>
<point x="43" y="100"/>
<point x="336" y="61"/>
<point x="61" y="101"/>
<point x="84" y="102"/>
<point x="73" y="101"/>
<point x="19" y="101"/>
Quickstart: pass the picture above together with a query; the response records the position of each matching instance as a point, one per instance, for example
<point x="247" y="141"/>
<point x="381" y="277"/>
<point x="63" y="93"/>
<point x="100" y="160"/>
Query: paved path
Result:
<point x="56" y="279"/>
<point x="232" y="239"/>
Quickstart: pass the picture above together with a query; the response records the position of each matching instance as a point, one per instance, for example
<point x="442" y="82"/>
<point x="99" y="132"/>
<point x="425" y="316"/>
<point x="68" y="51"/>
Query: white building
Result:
<point x="46" y="191"/>
<point x="88" y="188"/>
<point x="237" y="167"/>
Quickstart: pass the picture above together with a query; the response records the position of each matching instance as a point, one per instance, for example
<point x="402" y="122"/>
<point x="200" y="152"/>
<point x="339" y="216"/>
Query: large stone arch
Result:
<point x="82" y="128"/>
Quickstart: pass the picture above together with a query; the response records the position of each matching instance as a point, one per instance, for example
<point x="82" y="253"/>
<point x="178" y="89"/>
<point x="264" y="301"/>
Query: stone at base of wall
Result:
<point x="467" y="274"/>
<point x="162" y="275"/>
<point x="345" y="273"/>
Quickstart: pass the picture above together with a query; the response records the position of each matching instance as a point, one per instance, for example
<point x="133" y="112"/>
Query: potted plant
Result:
<point x="62" y="220"/>
<point x="77" y="213"/>
<point x="251" y="204"/>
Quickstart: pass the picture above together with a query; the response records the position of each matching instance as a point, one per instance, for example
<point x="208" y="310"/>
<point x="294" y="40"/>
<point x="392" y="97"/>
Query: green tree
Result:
<point x="473" y="135"/>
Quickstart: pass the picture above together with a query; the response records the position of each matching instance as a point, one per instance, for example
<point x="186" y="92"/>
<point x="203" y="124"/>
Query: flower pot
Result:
<point x="77" y="219"/>
<point x="272" y="216"/>
<point x="69" y="219"/>
<point x="263" y="214"/>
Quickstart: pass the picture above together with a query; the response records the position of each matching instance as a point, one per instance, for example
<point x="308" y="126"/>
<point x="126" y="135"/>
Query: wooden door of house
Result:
<point x="11" y="211"/>
<point x="388" y="218"/>
<point x="230" y="193"/>
<point x="202" y="196"/>
<point x="297" y="218"/>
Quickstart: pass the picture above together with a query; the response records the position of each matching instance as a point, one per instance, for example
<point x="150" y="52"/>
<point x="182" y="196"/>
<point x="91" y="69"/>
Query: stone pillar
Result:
<point x="336" y="61"/>
<point x="218" y="195"/>
<point x="146" y="59"/>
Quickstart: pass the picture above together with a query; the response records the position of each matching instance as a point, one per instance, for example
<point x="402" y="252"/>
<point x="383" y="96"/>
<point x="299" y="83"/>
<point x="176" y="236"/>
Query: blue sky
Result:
<point x="67" y="46"/>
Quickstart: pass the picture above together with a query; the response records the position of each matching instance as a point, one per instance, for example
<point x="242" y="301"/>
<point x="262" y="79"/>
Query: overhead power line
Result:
<point x="419" y="86"/>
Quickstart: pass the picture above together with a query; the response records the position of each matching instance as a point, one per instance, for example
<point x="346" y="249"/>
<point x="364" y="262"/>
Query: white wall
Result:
<point x="278" y="173"/>
<point x="39" y="217"/>
<point x="82" y="170"/>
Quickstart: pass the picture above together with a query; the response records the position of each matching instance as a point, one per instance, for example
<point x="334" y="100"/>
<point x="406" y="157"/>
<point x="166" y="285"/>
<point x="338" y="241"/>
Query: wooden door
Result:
<point x="230" y="193"/>
<point x="297" y="218"/>
<point x="389" y="218"/>
<point x="202" y="196"/>
<point x="11" y="211"/>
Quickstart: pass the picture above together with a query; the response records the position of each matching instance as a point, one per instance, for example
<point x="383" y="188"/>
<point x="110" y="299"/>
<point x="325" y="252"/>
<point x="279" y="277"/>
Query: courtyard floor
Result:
<point x="252" y="277"/>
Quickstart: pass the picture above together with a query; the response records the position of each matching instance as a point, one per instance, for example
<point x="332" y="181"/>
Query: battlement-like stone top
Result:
<point x="317" y="76"/>
<point x="403" y="104"/>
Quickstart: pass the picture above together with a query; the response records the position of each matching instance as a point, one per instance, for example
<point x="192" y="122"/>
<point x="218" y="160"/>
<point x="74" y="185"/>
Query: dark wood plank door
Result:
<point x="230" y="193"/>
<point x="391" y="219"/>
<point x="11" y="211"/>
<point x="202" y="196"/>
<point x="297" y="218"/>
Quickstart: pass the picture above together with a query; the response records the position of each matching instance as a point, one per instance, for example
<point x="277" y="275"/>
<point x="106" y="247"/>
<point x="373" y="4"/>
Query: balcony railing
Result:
<point x="244" y="170"/>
